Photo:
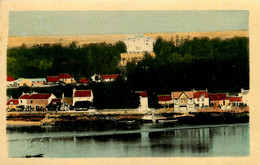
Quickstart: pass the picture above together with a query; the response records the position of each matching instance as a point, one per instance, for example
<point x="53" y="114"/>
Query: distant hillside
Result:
<point x="112" y="38"/>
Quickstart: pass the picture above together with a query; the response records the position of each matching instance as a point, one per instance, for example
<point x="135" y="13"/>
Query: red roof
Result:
<point x="35" y="96"/>
<point x="215" y="97"/>
<point x="112" y="76"/>
<point x="82" y="93"/>
<point x="234" y="99"/>
<point x="56" y="101"/>
<point x="9" y="78"/>
<point x="15" y="102"/>
<point x="200" y="93"/>
<point x="142" y="93"/>
<point x="40" y="96"/>
<point x="83" y="80"/>
<point x="52" y="78"/>
<point x="64" y="76"/>
<point x="24" y="96"/>
<point x="164" y="98"/>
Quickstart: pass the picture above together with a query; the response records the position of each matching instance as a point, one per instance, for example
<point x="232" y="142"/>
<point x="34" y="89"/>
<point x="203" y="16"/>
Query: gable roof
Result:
<point x="83" y="80"/>
<point x="25" y="96"/>
<point x="14" y="101"/>
<point x="35" y="96"/>
<point x="82" y="93"/>
<point x="164" y="98"/>
<point x="9" y="78"/>
<point x="220" y="96"/>
<point x="36" y="79"/>
<point x="56" y="101"/>
<point x="19" y="80"/>
<point x="142" y="93"/>
<point x="198" y="94"/>
<point x="235" y="99"/>
<point x="65" y="76"/>
<point x="176" y="95"/>
<point x="110" y="76"/>
<point x="52" y="78"/>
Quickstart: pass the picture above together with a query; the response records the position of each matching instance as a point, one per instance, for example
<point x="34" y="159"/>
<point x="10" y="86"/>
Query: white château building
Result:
<point x="139" y="44"/>
<point x="136" y="47"/>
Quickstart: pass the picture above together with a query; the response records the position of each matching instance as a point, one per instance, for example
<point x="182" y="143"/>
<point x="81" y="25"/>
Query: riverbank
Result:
<point x="84" y="117"/>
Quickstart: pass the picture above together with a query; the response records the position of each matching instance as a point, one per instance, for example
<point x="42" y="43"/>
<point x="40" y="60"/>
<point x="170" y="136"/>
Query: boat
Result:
<point x="35" y="156"/>
<point x="167" y="121"/>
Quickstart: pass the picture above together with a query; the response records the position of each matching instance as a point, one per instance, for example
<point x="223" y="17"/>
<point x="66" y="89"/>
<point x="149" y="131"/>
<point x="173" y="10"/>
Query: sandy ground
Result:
<point x="14" y="41"/>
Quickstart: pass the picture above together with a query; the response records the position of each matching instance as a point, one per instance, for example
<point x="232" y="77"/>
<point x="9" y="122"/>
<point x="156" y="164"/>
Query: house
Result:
<point x="220" y="100"/>
<point x="143" y="100"/>
<point x="110" y="78"/>
<point x="52" y="80"/>
<point x="55" y="105"/>
<point x="66" y="78"/>
<point x="201" y="98"/>
<point x="165" y="100"/>
<point x="136" y="47"/>
<point x="183" y="101"/>
<point x="245" y="96"/>
<point x="95" y="78"/>
<point x="83" y="81"/>
<point x="10" y="81"/>
<point x="30" y="82"/>
<point x="235" y="101"/>
<point x="12" y="104"/>
<point x="139" y="43"/>
<point x="35" y="101"/>
<point x="39" y="101"/>
<point x="82" y="95"/>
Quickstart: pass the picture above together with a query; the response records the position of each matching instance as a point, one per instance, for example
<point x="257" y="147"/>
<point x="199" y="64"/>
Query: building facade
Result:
<point x="183" y="101"/>
<point x="82" y="95"/>
<point x="201" y="99"/>
<point x="139" y="44"/>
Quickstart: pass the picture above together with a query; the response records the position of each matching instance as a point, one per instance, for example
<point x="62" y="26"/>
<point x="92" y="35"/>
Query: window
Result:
<point x="146" y="43"/>
<point x="198" y="99"/>
<point x="203" y="99"/>
<point x="21" y="101"/>
<point x="31" y="101"/>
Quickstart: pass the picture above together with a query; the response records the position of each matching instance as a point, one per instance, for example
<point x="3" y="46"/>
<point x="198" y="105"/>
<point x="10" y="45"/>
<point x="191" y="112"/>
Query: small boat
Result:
<point x="167" y="121"/>
<point x="34" y="156"/>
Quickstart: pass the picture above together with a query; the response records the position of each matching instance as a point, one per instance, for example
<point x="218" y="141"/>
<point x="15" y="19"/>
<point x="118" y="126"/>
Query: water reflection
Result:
<point x="216" y="141"/>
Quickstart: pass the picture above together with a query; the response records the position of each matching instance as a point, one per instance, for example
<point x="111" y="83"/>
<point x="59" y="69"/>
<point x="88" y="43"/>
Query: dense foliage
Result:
<point x="50" y="60"/>
<point x="215" y="64"/>
<point x="220" y="65"/>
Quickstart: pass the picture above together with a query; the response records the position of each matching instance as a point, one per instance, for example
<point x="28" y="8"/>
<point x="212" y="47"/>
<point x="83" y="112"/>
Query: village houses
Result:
<point x="82" y="95"/>
<point x="183" y="101"/>
<point x="30" y="82"/>
<point x="143" y="100"/>
<point x="65" y="78"/>
<point x="165" y="100"/>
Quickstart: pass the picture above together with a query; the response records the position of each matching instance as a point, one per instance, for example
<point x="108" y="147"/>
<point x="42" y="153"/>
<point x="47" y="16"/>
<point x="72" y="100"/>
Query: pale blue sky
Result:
<point x="42" y="23"/>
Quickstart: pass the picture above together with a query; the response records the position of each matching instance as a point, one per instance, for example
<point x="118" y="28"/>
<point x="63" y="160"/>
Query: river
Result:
<point x="178" y="140"/>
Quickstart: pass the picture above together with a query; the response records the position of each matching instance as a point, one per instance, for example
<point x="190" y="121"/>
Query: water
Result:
<point x="187" y="141"/>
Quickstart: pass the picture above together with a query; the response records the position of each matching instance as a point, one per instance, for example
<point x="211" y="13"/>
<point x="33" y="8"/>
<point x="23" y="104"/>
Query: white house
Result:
<point x="245" y="96"/>
<point x="143" y="100"/>
<point x="201" y="98"/>
<point x="82" y="95"/>
<point x="183" y="101"/>
<point x="139" y="43"/>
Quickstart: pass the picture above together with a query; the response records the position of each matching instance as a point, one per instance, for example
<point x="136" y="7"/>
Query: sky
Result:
<point x="52" y="23"/>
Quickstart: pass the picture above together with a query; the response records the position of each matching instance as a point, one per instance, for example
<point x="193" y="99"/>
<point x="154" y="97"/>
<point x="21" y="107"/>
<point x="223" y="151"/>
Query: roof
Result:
<point x="19" y="80"/>
<point x="14" y="101"/>
<point x="52" y="78"/>
<point x="200" y="93"/>
<point x="215" y="97"/>
<point x="25" y="96"/>
<point x="40" y="96"/>
<point x="36" y="79"/>
<point x="164" y="98"/>
<point x="138" y="36"/>
<point x="35" y="96"/>
<point x="234" y="99"/>
<point x="110" y="76"/>
<point x="142" y="93"/>
<point x="9" y="78"/>
<point x="82" y="93"/>
<point x="56" y="101"/>
<point x="83" y="80"/>
<point x="64" y="76"/>
<point x="176" y="95"/>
